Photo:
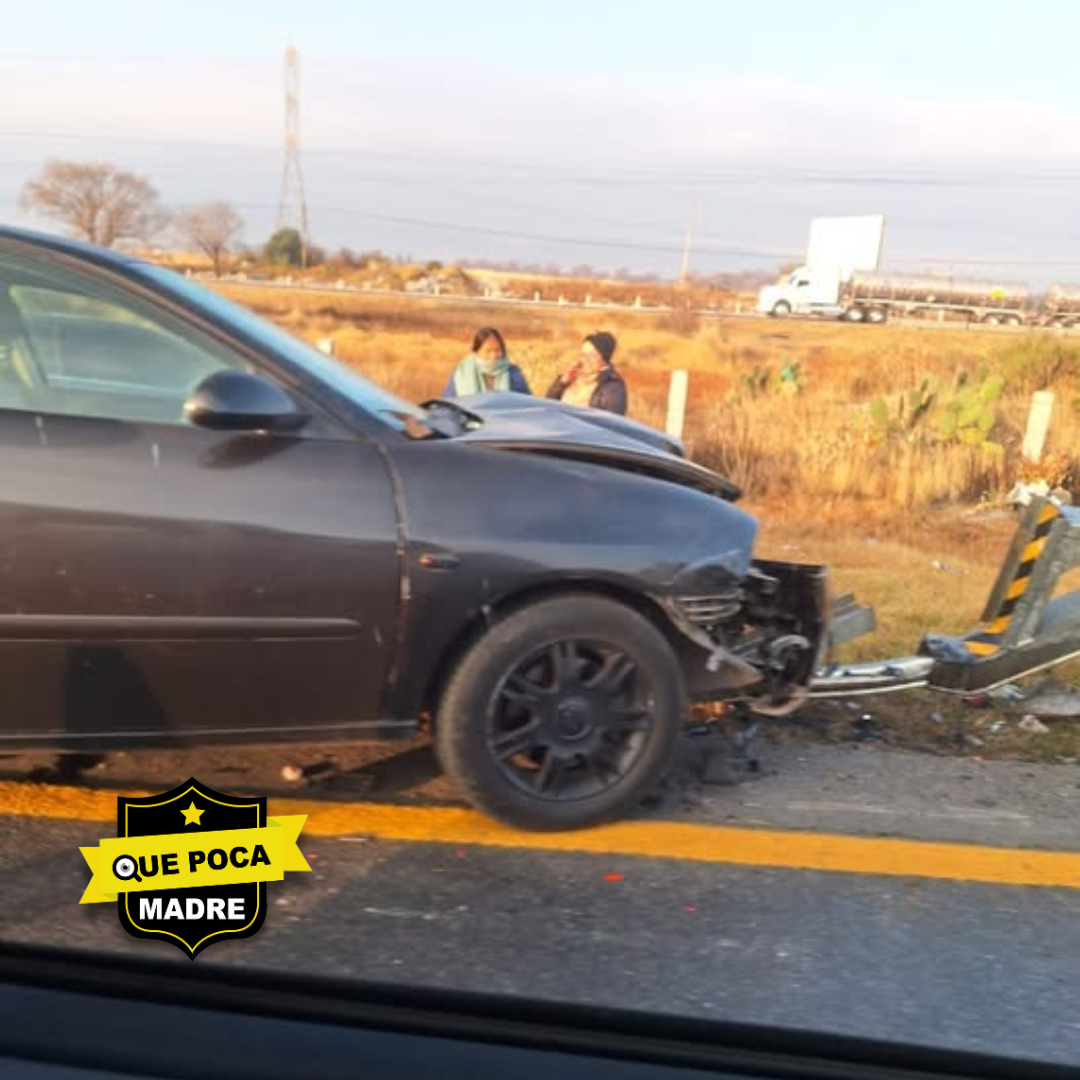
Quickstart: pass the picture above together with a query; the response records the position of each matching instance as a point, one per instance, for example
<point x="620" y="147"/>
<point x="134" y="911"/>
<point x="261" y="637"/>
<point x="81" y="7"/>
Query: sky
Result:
<point x="588" y="132"/>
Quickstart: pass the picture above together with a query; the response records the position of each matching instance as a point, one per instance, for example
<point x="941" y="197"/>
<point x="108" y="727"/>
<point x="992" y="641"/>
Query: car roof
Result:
<point x="67" y="246"/>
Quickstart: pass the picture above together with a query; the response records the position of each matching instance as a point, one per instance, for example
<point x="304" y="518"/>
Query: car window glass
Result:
<point x="391" y="408"/>
<point x="72" y="346"/>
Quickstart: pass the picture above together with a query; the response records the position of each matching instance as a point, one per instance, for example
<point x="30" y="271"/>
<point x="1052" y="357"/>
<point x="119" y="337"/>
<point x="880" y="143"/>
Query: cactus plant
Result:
<point x="971" y="415"/>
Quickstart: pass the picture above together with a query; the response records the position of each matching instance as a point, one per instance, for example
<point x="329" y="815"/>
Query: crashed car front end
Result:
<point x="757" y="638"/>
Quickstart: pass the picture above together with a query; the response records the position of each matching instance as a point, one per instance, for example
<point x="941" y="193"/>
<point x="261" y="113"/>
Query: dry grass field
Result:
<point x="838" y="460"/>
<point x="859" y="447"/>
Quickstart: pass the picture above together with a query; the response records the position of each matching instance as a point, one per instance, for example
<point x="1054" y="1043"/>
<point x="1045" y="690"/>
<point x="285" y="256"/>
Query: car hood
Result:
<point x="521" y="422"/>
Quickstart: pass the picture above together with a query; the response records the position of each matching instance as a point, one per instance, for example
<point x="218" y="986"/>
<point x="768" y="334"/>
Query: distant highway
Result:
<point x="610" y="306"/>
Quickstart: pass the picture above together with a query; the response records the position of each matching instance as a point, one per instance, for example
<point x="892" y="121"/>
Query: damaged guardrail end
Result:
<point x="872" y="676"/>
<point x="848" y="620"/>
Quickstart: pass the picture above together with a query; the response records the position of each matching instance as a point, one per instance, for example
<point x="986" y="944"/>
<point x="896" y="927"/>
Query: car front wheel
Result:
<point x="563" y="715"/>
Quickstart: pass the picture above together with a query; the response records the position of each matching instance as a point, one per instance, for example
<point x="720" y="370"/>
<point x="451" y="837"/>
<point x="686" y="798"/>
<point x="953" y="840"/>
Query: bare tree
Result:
<point x="212" y="228"/>
<point x="97" y="201"/>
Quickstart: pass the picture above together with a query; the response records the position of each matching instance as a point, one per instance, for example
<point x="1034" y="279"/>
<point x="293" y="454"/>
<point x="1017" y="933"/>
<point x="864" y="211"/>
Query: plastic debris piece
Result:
<point x="292" y="773"/>
<point x="1063" y="703"/>
<point x="937" y="564"/>
<point x="614" y="877"/>
<point x="948" y="649"/>
<point x="719" y="770"/>
<point x="1008" y="692"/>
<point x="1033" y="725"/>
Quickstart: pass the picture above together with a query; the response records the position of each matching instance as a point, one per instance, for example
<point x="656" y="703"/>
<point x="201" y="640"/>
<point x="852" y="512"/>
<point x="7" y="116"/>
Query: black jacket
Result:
<point x="610" y="392"/>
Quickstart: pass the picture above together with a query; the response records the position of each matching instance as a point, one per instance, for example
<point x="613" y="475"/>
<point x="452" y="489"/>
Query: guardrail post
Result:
<point x="676" y="410"/>
<point x="1038" y="424"/>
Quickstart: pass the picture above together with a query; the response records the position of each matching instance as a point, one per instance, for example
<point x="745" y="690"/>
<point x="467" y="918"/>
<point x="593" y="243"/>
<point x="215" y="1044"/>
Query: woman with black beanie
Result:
<point x="591" y="380"/>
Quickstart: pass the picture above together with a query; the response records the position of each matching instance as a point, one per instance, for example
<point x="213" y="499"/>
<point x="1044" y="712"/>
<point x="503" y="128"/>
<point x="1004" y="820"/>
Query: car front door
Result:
<point x="163" y="581"/>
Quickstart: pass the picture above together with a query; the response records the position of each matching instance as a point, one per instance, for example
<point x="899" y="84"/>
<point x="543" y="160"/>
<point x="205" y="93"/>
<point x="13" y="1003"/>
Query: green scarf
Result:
<point x="469" y="376"/>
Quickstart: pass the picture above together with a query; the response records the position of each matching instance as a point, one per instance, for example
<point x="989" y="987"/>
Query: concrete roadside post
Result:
<point x="676" y="411"/>
<point x="1038" y="424"/>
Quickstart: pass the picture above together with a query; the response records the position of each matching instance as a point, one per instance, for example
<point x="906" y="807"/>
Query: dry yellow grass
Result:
<point x="825" y="484"/>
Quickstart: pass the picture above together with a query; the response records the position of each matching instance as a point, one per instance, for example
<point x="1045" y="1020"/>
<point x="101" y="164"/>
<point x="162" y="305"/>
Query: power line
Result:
<point x="647" y="174"/>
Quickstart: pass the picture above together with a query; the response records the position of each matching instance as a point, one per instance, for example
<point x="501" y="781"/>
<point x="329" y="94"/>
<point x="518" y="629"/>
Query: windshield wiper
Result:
<point x="440" y="409"/>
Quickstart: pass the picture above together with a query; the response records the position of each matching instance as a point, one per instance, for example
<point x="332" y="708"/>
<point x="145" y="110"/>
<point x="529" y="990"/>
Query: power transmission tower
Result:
<point x="292" y="207"/>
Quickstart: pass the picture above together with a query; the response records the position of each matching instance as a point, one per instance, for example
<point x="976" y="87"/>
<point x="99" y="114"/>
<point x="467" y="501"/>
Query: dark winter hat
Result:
<point x="603" y="343"/>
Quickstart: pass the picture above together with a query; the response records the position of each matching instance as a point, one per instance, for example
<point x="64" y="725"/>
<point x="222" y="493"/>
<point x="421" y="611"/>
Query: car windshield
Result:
<point x="348" y="381"/>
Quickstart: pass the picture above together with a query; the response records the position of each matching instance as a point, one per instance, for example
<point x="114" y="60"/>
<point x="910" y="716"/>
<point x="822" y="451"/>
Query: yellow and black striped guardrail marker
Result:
<point x="987" y="641"/>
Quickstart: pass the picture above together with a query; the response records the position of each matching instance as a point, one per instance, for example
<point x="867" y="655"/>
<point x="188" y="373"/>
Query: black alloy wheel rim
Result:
<point x="570" y="720"/>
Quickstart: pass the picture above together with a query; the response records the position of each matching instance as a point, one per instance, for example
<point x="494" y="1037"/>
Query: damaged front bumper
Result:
<point x="765" y="635"/>
<point x="762" y="635"/>
<point x="766" y="638"/>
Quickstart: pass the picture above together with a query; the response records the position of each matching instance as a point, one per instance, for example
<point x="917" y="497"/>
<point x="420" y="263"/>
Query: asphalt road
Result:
<point x="937" y="921"/>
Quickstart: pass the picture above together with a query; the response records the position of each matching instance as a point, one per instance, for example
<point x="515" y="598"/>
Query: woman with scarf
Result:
<point x="486" y="369"/>
<point x="591" y="381"/>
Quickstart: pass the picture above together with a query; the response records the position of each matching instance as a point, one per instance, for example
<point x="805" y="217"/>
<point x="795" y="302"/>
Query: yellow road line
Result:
<point x="649" y="839"/>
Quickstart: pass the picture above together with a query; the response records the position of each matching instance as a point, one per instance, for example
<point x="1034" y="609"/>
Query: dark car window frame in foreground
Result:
<point x="134" y="1016"/>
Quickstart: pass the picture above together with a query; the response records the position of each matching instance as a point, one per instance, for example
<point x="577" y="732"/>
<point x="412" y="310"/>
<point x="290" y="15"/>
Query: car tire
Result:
<point x="564" y="715"/>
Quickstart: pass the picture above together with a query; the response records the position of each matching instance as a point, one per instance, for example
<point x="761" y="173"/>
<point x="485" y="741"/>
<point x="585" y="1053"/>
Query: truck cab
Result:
<point x="805" y="291"/>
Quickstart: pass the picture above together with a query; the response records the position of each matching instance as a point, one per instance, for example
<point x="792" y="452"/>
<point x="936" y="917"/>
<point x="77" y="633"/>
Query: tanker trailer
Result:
<point x="873" y="297"/>
<point x="1060" y="306"/>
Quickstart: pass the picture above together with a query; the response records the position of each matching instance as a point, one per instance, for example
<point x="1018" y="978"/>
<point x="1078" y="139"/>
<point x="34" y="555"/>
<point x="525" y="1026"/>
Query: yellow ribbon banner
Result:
<point x="126" y="864"/>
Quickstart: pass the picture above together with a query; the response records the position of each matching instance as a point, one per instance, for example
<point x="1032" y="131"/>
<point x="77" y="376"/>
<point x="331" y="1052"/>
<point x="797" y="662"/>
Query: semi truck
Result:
<point x="872" y="298"/>
<point x="840" y="278"/>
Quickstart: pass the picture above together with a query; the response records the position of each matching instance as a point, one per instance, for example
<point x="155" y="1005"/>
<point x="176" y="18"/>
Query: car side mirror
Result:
<point x="239" y="401"/>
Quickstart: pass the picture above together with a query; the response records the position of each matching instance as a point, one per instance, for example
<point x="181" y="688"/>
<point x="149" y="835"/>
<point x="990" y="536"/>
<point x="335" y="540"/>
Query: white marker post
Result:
<point x="676" y="406"/>
<point x="1038" y="425"/>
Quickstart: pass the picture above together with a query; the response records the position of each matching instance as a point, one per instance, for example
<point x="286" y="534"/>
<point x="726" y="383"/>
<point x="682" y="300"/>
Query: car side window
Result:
<point x="76" y="346"/>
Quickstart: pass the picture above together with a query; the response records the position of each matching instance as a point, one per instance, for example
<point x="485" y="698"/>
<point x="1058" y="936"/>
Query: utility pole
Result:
<point x="292" y="206"/>
<point x="684" y="274"/>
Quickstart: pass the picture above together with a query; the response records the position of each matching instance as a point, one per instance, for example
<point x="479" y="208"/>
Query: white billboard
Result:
<point x="846" y="244"/>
